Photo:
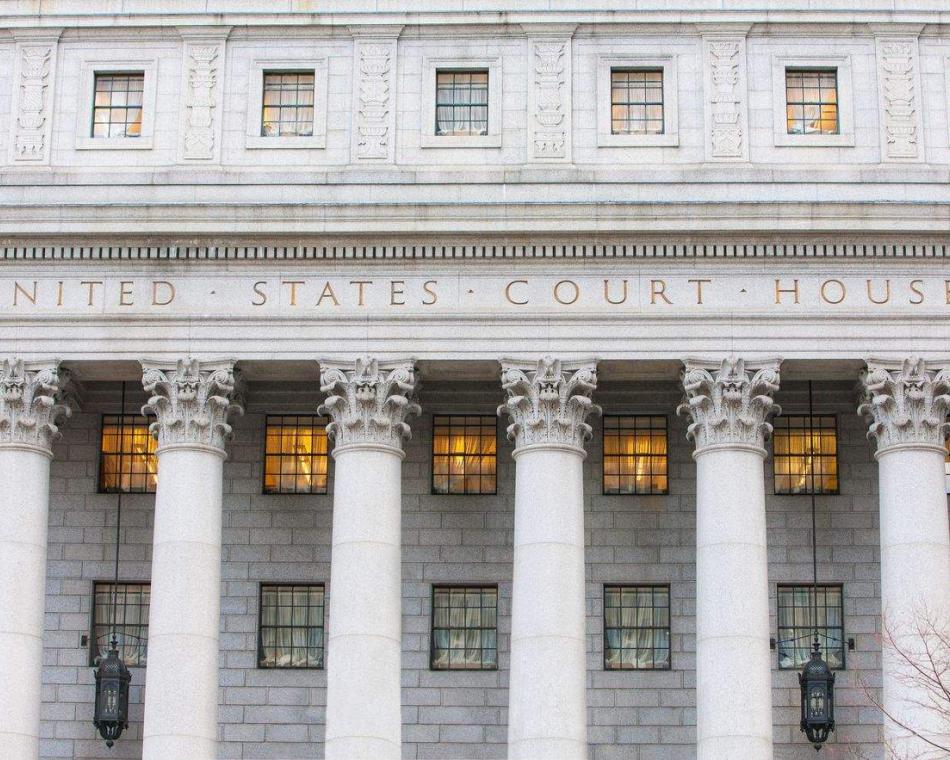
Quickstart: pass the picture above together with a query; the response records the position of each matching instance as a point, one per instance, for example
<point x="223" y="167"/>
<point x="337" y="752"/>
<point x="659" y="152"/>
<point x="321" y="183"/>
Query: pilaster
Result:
<point x="203" y="59"/>
<point x="35" y="75"/>
<point x="33" y="400"/>
<point x="549" y="95"/>
<point x="899" y="91"/>
<point x="726" y="92"/>
<point x="374" y="91"/>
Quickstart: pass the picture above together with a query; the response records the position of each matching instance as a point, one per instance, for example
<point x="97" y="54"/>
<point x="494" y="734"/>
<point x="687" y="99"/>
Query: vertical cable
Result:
<point x="814" y="520"/>
<point x="118" y="520"/>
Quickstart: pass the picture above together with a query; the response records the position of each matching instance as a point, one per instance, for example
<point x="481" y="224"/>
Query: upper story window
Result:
<point x="291" y="626"/>
<point x="127" y="460"/>
<point x="797" y="607"/>
<point x="117" y="104"/>
<point x="464" y="454"/>
<point x="635" y="455"/>
<point x="131" y="601"/>
<point x="636" y="101"/>
<point x="287" y="104"/>
<point x="295" y="454"/>
<point x="811" y="101"/>
<point x="636" y="627"/>
<point x="461" y="103"/>
<point x="805" y="453"/>
<point x="464" y="628"/>
<point x="946" y="465"/>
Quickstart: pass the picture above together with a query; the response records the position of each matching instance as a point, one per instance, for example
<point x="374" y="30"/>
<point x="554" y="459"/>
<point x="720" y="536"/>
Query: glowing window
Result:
<point x="635" y="455"/>
<point x="295" y="454"/>
<point x="464" y="454"/>
<point x="464" y="628"/>
<point x="636" y="627"/>
<point x="805" y="454"/>
<point x="117" y="105"/>
<point x="287" y="106"/>
<point x="811" y="101"/>
<point x="127" y="460"/>
<point x="636" y="101"/>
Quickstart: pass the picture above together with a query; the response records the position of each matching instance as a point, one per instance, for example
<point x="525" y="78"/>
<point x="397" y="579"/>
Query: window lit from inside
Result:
<point x="287" y="104"/>
<point x="796" y="625"/>
<point x="811" y="101"/>
<point x="127" y="460"/>
<point x="291" y="626"/>
<point x="131" y="621"/>
<point x="461" y="103"/>
<point x="464" y="454"/>
<point x="117" y="105"/>
<point x="464" y="628"/>
<point x="636" y="627"/>
<point x="805" y="451"/>
<point x="636" y="101"/>
<point x="295" y="454"/>
<point x="635" y="455"/>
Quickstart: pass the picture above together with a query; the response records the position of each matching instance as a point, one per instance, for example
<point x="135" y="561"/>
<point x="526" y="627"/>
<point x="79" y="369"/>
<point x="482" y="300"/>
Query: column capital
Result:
<point x="549" y="401"/>
<point x="192" y="401"/>
<point x="729" y="404"/>
<point x="368" y="401"/>
<point x="906" y="404"/>
<point x="34" y="398"/>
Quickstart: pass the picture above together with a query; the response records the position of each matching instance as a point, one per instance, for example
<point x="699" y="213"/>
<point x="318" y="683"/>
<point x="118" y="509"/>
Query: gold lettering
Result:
<point x="59" y="293"/>
<point x="259" y="292"/>
<point x="658" y="291"/>
<point x="887" y="292"/>
<point x="824" y="294"/>
<point x="779" y="290"/>
<point x="18" y="288"/>
<point x="170" y="295"/>
<point x="525" y="301"/>
<point x="92" y="288"/>
<point x="914" y="288"/>
<point x="328" y="293"/>
<point x="293" y="289"/>
<point x="607" y="292"/>
<point x="699" y="289"/>
<point x="430" y="292"/>
<point x="557" y="292"/>
<point x="397" y="291"/>
<point x="359" y="289"/>
<point x="125" y="290"/>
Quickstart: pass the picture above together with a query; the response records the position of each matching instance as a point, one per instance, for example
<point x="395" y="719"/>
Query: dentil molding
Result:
<point x="729" y="405"/>
<point x="33" y="400"/>
<point x="192" y="401"/>
<point x="906" y="404"/>
<point x="368" y="401"/>
<point x="548" y="402"/>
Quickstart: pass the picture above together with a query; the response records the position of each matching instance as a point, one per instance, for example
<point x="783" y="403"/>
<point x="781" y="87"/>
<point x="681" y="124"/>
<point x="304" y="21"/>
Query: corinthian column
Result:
<point x="907" y="406"/>
<point x="729" y="406"/>
<point x="368" y="403"/>
<point x="192" y="402"/>
<point x="31" y="404"/>
<point x="548" y="403"/>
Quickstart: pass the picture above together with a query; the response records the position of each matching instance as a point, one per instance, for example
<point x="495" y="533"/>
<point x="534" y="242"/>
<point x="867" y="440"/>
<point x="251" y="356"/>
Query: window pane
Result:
<point x="127" y="460"/>
<point x="797" y="607"/>
<point x="636" y="100"/>
<point x="295" y="454"/>
<point x="287" y="106"/>
<point x="636" y="627"/>
<point x="291" y="626"/>
<point x="461" y="103"/>
<point x="804" y="454"/>
<point x="635" y="455"/>
<point x="811" y="98"/>
<point x="128" y="605"/>
<point x="117" y="105"/>
<point x="464" y="633"/>
<point x="455" y="443"/>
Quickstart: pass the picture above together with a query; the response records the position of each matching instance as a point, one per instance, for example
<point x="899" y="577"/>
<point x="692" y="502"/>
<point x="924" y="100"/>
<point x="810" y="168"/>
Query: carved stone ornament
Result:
<point x="906" y="404"/>
<point x="200" y="100"/>
<point x="896" y="61"/>
<point x="727" y="136"/>
<point x="550" y="114"/>
<point x="33" y="103"/>
<point x="374" y="104"/>
<point x="729" y="405"/>
<point x="192" y="401"/>
<point x="33" y="400"/>
<point x="368" y="401"/>
<point x="548" y="403"/>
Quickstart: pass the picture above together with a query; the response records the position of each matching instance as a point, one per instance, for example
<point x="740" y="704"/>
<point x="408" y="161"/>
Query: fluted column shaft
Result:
<point x="548" y="403"/>
<point x="192" y="402"/>
<point x="30" y="405"/>
<point x="367" y="403"/>
<point x="729" y="407"/>
<point x="907" y="406"/>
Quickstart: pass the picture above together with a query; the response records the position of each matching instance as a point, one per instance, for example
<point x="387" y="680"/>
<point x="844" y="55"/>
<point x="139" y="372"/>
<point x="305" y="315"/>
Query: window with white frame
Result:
<point x="811" y="102"/>
<point x="637" y="101"/>
<point x="117" y="107"/>
<point x="287" y="104"/>
<point x="287" y="107"/>
<point x="461" y="103"/>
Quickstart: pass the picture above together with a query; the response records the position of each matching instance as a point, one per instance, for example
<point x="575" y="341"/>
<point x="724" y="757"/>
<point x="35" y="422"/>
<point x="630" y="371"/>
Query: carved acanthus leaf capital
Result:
<point x="906" y="404"/>
<point x="368" y="401"/>
<point x="34" y="398"/>
<point x="729" y="405"/>
<point x="192" y="401"/>
<point x="549" y="402"/>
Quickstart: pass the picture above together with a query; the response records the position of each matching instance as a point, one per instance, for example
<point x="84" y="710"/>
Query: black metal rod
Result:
<point x="118" y="522"/>
<point x="814" y="519"/>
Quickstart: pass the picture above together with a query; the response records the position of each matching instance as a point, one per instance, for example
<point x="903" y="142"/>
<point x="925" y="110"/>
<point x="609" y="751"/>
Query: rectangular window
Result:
<point x="131" y="621"/>
<point x="636" y="101"/>
<point x="291" y="629"/>
<point x="117" y="104"/>
<point x="127" y="460"/>
<point x="287" y="106"/>
<point x="811" y="101"/>
<point x="636" y="627"/>
<point x="635" y="455"/>
<point x="464" y="628"/>
<point x="796" y="625"/>
<point x="464" y="454"/>
<point x="295" y="454"/>
<point x="805" y="454"/>
<point x="461" y="102"/>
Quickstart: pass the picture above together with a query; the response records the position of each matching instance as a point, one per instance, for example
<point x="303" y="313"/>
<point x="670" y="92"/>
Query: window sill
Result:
<point x="461" y="141"/>
<point x="666" y="140"/>
<point x="286" y="142"/>
<point x="785" y="140"/>
<point x="114" y="143"/>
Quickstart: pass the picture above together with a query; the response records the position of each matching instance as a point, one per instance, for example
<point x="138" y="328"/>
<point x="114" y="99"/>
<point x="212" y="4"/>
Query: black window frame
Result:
<point x="470" y="104"/>
<point x="645" y="104"/>
<point x="777" y="426"/>
<point x="260" y="624"/>
<point x="669" y="626"/>
<point x="803" y="103"/>
<point x="604" y="455"/>
<point x="104" y="74"/>
<point x="482" y="587"/>
<point x="296" y="105"/>
<point x="147" y="422"/>
<point x="264" y="454"/>
<point x="93" y="644"/>
<point x="432" y="454"/>
<point x="824" y="640"/>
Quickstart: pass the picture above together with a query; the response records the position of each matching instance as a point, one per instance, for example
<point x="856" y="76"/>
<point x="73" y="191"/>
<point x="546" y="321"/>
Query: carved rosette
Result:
<point x="548" y="403"/>
<point x="192" y="402"/>
<point x="33" y="400"/>
<point x="368" y="402"/>
<point x="906" y="405"/>
<point x="729" y="406"/>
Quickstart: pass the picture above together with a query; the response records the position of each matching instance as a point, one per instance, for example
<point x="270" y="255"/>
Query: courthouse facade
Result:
<point x="461" y="376"/>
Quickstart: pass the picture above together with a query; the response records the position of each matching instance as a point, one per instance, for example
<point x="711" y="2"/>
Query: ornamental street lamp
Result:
<point x="111" y="715"/>
<point x="818" y="698"/>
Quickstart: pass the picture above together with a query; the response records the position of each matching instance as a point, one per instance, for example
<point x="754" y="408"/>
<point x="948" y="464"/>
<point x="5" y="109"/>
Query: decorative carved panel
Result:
<point x="200" y="128"/>
<point x="550" y="99"/>
<point x="375" y="102"/>
<point x="900" y="98"/>
<point x="33" y="100"/>
<point x="726" y="99"/>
